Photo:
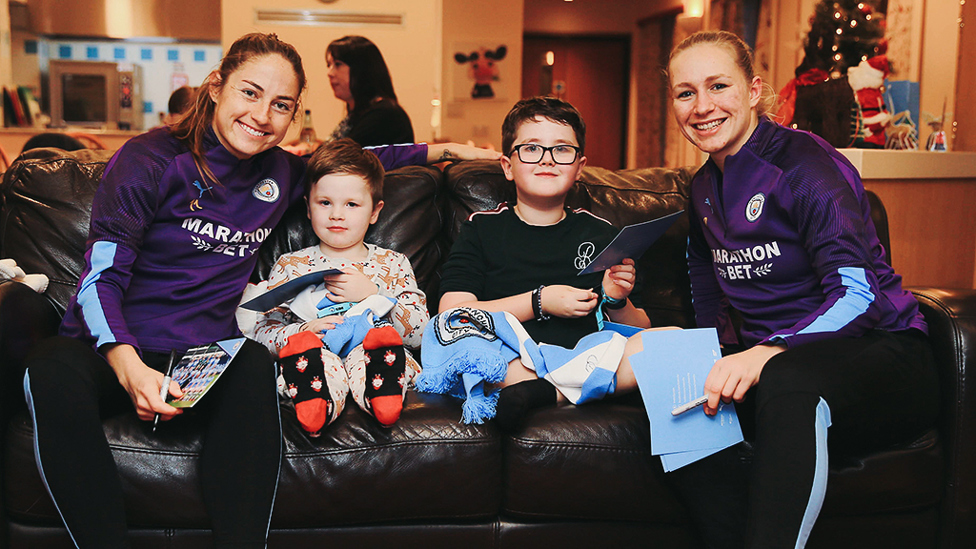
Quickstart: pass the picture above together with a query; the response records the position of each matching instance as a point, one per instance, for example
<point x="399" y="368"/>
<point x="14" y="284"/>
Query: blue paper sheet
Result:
<point x="632" y="241"/>
<point x="671" y="371"/>
<point x="677" y="460"/>
<point x="272" y="298"/>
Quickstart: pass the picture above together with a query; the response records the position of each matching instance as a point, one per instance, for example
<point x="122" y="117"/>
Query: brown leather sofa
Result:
<point x="573" y="477"/>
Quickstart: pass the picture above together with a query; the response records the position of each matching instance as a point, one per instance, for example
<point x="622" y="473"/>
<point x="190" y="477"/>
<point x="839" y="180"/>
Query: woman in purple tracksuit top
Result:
<point x="175" y="226"/>
<point x="830" y="343"/>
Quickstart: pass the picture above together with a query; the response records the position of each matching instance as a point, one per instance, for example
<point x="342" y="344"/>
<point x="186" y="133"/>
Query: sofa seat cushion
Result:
<point x="590" y="462"/>
<point x="428" y="466"/>
<point x="594" y="462"/>
<point x="902" y="479"/>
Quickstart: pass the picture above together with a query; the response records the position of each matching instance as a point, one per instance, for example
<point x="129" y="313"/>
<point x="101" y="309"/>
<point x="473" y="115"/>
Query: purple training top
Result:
<point x="785" y="236"/>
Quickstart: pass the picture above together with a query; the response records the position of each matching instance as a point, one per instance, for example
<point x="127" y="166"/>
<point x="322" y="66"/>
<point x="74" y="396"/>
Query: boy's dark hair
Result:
<point x="345" y="156"/>
<point x="555" y="109"/>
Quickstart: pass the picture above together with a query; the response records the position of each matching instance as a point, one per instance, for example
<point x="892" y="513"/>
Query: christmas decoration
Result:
<point x="937" y="139"/>
<point x="843" y="33"/>
<point x="901" y="133"/>
<point x="870" y="115"/>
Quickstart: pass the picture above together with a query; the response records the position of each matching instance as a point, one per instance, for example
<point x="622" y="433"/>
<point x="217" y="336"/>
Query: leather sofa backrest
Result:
<point x="46" y="203"/>
<point x="879" y="216"/>
<point x="46" y="198"/>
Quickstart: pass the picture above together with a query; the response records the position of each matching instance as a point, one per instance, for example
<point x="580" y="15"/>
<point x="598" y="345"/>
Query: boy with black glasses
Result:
<point x="522" y="259"/>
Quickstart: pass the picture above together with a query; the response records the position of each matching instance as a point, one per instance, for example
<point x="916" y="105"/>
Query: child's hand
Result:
<point x="322" y="324"/>
<point x="351" y="285"/>
<point x="567" y="301"/>
<point x="618" y="281"/>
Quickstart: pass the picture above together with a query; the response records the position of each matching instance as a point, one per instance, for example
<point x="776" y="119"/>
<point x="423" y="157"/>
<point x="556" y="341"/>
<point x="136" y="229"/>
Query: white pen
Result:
<point x="689" y="406"/>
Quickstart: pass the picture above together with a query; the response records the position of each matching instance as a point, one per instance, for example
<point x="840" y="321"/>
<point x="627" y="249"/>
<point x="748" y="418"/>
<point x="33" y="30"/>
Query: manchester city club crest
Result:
<point x="463" y="322"/>
<point x="754" y="207"/>
<point x="266" y="190"/>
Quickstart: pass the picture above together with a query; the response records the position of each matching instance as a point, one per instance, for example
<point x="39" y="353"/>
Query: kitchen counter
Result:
<point x="929" y="198"/>
<point x="12" y="139"/>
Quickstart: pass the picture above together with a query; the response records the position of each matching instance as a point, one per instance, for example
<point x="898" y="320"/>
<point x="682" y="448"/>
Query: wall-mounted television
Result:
<point x="94" y="94"/>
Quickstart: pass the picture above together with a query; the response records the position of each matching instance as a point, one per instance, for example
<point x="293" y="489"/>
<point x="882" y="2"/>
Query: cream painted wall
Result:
<point x="788" y="24"/>
<point x="490" y="24"/>
<point x="6" y="69"/>
<point x="412" y="52"/>
<point x="26" y="69"/>
<point x="940" y="45"/>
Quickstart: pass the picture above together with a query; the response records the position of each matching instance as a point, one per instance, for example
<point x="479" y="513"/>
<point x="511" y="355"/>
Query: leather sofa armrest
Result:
<point x="26" y="317"/>
<point x="951" y="316"/>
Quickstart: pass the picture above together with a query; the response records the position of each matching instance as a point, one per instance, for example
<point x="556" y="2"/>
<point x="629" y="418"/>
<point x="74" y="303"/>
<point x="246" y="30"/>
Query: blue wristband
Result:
<point x="612" y="303"/>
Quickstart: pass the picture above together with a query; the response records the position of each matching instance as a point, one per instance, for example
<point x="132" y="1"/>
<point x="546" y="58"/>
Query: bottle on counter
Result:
<point x="307" y="135"/>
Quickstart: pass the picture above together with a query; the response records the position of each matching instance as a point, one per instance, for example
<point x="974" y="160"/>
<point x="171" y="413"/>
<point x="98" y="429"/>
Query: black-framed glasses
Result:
<point x="533" y="153"/>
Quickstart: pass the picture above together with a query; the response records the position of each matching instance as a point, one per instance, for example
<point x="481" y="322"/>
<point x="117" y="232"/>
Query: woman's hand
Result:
<point x="618" y="281"/>
<point x="442" y="152"/>
<point x="567" y="301"/>
<point x="323" y="324"/>
<point x="142" y="383"/>
<point x="733" y="375"/>
<point x="352" y="285"/>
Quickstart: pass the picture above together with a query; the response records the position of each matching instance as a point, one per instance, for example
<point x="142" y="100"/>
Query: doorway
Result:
<point x="592" y="73"/>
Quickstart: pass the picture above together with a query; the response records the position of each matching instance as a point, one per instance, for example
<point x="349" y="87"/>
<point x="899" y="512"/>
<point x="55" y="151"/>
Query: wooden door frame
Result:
<point x="628" y="41"/>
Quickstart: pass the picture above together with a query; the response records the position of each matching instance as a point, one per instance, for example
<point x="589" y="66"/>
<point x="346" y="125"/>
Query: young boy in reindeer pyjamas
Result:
<point x="361" y="351"/>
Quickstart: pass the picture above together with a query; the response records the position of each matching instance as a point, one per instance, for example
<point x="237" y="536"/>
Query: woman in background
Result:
<point x="360" y="78"/>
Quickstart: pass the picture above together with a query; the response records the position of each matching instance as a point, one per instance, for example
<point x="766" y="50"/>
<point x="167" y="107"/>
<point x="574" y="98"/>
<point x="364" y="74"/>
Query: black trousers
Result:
<point x="851" y="395"/>
<point x="70" y="389"/>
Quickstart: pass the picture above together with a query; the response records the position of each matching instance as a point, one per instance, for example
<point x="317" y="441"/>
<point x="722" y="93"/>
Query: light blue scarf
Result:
<point x="463" y="348"/>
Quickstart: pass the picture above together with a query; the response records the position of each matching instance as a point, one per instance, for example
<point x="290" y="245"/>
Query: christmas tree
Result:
<point x="842" y="34"/>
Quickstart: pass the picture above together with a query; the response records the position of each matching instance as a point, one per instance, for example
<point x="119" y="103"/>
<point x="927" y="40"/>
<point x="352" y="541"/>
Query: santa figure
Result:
<point x="871" y="116"/>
